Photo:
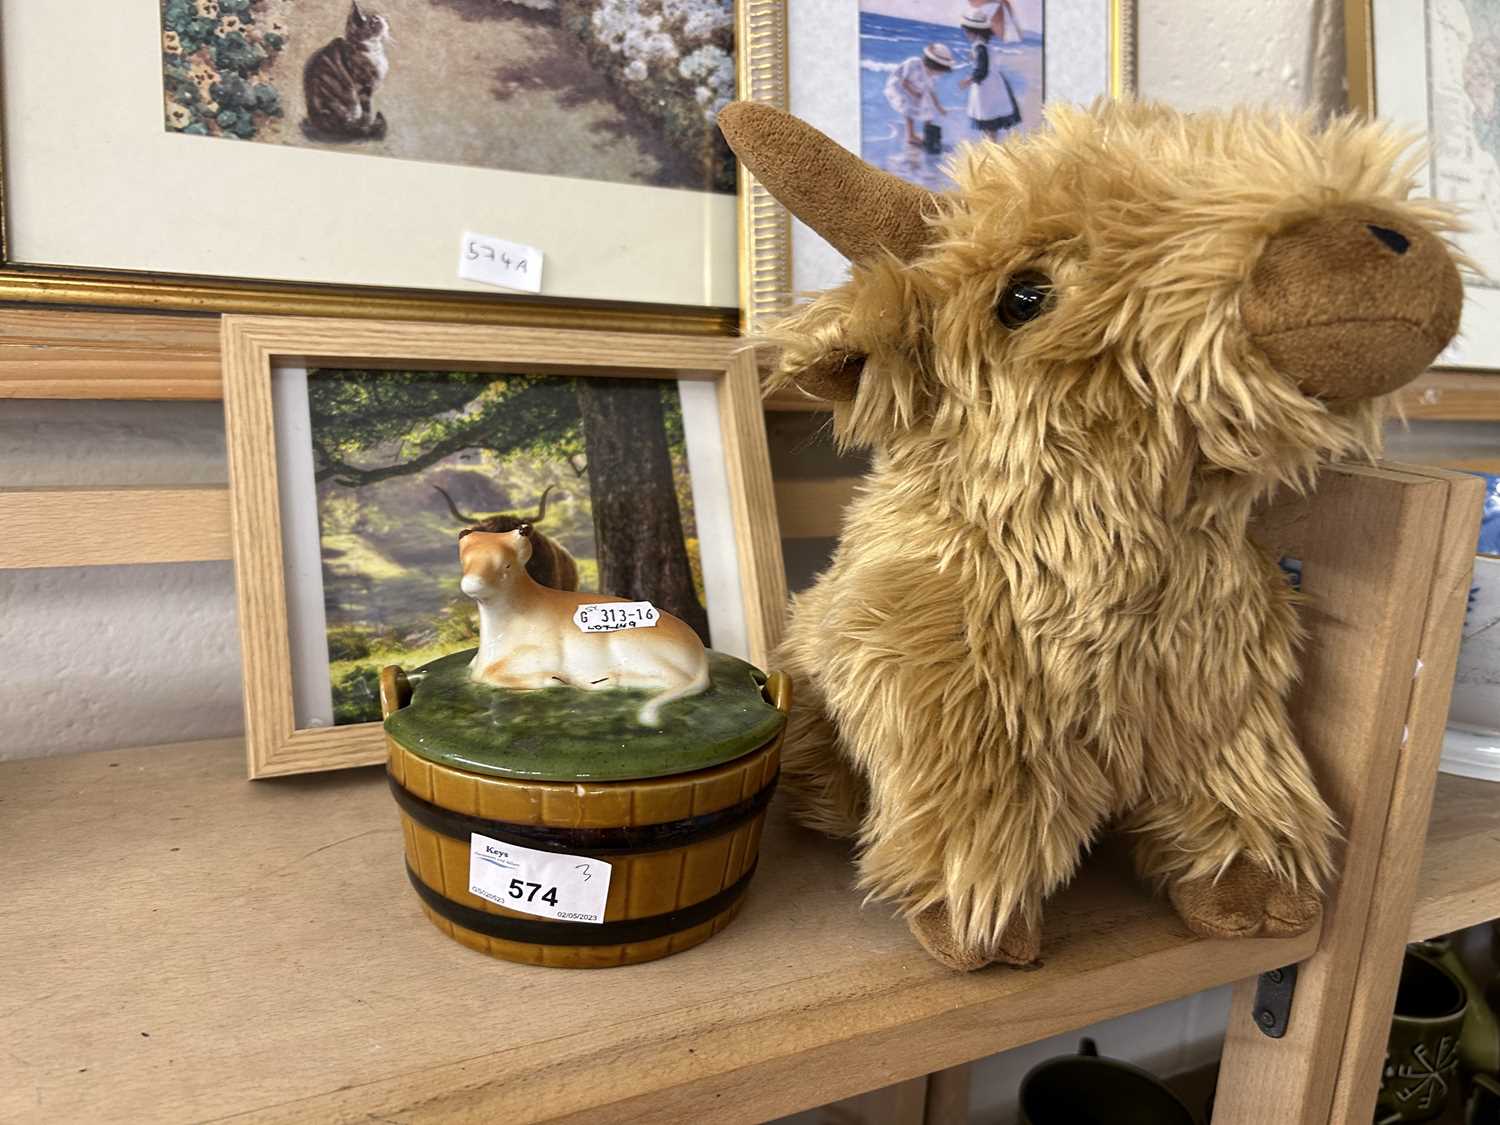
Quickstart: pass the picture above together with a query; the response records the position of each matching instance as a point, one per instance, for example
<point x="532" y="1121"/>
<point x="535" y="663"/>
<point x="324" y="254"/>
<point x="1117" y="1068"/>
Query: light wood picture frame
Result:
<point x="253" y="346"/>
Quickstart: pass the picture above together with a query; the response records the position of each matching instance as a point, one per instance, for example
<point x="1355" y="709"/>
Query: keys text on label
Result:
<point x="568" y="888"/>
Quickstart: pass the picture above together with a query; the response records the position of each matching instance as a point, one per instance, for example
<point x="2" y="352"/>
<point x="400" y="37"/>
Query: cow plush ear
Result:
<point x="832" y="376"/>
<point x="862" y="346"/>
<point x="862" y="211"/>
<point x="873" y="218"/>
<point x="822" y="353"/>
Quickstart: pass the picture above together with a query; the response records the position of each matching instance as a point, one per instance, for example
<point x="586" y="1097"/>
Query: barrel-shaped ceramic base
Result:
<point x="584" y="956"/>
<point x="681" y="849"/>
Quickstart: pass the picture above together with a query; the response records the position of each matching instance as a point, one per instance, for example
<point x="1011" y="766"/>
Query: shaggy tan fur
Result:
<point x="1045" y="613"/>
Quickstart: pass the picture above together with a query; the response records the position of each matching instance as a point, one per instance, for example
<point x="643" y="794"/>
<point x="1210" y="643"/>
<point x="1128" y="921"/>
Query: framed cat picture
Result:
<point x="427" y="159"/>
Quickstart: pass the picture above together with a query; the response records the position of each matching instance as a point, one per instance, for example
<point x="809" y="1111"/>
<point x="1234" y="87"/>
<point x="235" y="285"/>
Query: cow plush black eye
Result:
<point x="1026" y="297"/>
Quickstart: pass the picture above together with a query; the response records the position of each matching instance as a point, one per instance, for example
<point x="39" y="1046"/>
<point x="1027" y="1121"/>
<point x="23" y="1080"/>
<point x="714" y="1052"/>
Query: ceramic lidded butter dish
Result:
<point x="586" y="788"/>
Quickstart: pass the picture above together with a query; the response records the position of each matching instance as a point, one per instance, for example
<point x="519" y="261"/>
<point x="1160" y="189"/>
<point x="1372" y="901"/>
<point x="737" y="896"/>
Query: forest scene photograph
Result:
<point x="405" y="460"/>
<point x="618" y="90"/>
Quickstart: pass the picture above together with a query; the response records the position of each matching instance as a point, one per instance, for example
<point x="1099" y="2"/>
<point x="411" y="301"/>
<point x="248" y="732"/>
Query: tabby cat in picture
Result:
<point x="340" y="80"/>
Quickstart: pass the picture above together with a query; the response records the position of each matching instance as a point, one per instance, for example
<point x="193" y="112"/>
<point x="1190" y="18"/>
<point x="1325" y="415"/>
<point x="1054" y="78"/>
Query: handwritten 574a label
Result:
<point x="609" y="617"/>
<point x="570" y="888"/>
<point x="496" y="261"/>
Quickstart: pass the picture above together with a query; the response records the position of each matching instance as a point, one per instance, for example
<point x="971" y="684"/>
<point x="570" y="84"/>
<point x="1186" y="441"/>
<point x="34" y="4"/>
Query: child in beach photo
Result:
<point x="912" y="88"/>
<point x="914" y="117"/>
<point x="992" y="102"/>
<point x="1003" y="23"/>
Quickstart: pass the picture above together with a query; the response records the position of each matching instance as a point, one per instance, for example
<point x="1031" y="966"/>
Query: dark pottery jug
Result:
<point x="1479" y="1044"/>
<point x="1084" y="1089"/>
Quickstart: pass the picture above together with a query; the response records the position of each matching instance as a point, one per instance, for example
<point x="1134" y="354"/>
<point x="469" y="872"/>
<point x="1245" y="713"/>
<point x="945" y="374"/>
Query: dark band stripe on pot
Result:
<point x="621" y="840"/>
<point x="538" y="931"/>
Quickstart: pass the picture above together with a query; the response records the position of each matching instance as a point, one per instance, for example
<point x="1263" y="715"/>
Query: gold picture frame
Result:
<point x="146" y="292"/>
<point x="275" y="745"/>
<point x="1359" y="49"/>
<point x="760" y="34"/>
<point x="43" y="284"/>
<point x="172" y="293"/>
<point x="767" y="288"/>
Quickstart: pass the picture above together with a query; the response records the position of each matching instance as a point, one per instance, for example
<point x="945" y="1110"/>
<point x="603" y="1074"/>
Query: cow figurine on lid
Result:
<point x="1080" y="370"/>
<point x="532" y="637"/>
<point x="587" y="787"/>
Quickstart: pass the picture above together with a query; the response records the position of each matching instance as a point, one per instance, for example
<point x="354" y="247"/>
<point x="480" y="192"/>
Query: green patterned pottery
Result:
<point x="565" y="734"/>
<point x="1420" y="1081"/>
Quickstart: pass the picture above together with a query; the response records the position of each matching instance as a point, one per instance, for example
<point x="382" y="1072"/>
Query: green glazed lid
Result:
<point x="564" y="734"/>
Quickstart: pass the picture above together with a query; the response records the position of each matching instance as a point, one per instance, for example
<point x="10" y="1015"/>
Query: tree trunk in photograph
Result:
<point x="637" y="527"/>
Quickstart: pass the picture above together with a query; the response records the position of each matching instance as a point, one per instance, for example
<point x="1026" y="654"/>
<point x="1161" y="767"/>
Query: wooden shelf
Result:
<point x="1438" y="396"/>
<point x="1460" y="880"/>
<point x="1452" y="396"/>
<point x="177" y="943"/>
<point x="64" y="353"/>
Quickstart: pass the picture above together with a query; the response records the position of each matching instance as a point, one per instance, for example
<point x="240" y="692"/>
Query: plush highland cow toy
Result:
<point x="1080" y="370"/>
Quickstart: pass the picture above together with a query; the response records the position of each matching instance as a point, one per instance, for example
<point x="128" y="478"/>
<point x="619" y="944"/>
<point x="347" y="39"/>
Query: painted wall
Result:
<point x="96" y="658"/>
<point x="1197" y="54"/>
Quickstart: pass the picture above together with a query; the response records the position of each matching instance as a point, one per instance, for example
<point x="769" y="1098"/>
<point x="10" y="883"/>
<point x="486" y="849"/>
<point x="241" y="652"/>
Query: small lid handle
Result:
<point x="395" y="690"/>
<point x="779" y="691"/>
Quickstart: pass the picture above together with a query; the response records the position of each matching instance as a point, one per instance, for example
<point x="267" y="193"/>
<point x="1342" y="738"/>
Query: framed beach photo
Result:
<point x="1434" y="67"/>
<point x="360" y="450"/>
<point x="322" y="156"/>
<point x="904" y="83"/>
<point x="933" y="75"/>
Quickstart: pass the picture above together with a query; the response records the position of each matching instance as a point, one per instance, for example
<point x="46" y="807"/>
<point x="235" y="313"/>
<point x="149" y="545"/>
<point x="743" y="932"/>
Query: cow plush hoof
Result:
<point x="934" y="932"/>
<point x="1245" y="901"/>
<point x="1019" y="945"/>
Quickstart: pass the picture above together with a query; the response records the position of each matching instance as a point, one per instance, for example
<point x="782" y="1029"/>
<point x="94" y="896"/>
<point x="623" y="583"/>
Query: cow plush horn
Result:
<point x="859" y="209"/>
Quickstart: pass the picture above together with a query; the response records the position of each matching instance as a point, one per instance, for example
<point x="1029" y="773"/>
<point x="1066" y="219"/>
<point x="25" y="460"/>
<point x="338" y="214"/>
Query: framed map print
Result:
<point x="1434" y="66"/>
